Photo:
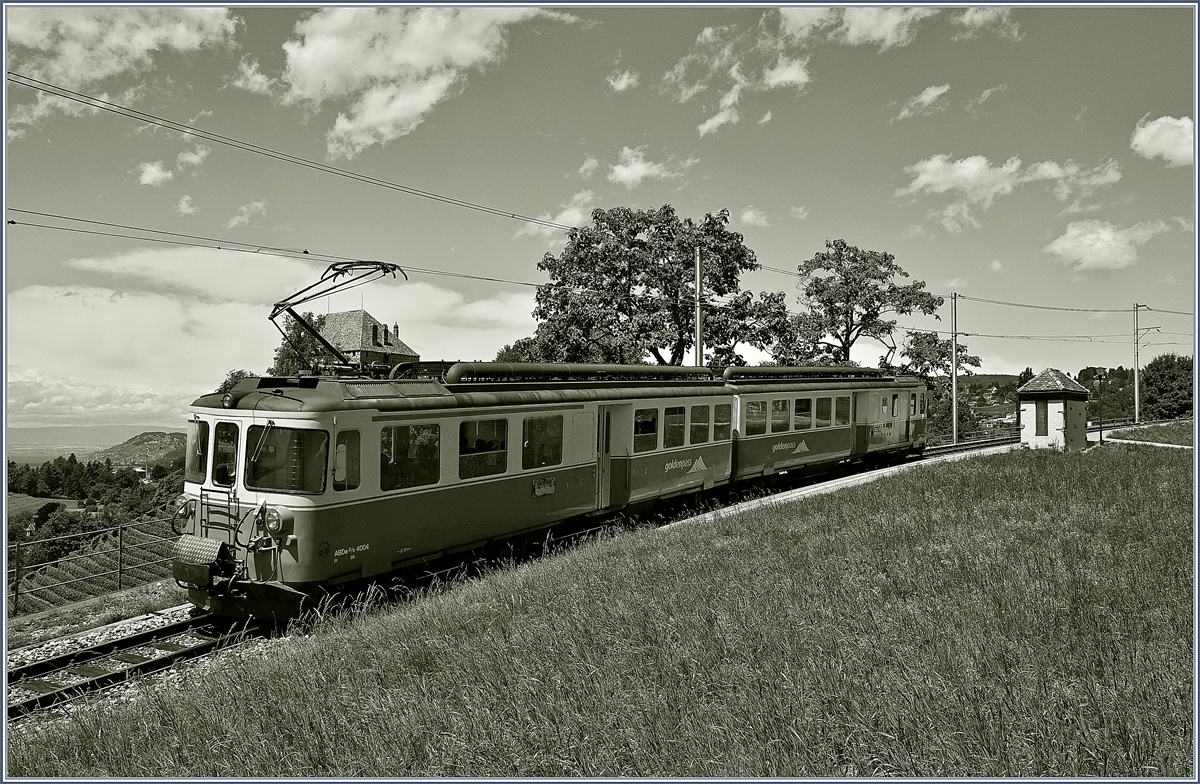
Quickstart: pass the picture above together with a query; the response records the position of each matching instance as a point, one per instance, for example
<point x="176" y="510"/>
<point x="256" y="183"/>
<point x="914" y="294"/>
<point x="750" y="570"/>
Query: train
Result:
<point x="294" y="486"/>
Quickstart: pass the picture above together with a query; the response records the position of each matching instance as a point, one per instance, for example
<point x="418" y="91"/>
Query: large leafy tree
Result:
<point x="850" y="293"/>
<point x="298" y="350"/>
<point x="232" y="378"/>
<point x="929" y="358"/>
<point x="623" y="290"/>
<point x="1167" y="387"/>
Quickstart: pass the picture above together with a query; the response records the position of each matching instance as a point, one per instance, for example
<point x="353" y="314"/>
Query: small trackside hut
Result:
<point x="1052" y="412"/>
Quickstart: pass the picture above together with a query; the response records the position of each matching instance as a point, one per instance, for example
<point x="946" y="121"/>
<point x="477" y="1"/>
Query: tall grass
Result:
<point x="1179" y="433"/>
<point x="1016" y="615"/>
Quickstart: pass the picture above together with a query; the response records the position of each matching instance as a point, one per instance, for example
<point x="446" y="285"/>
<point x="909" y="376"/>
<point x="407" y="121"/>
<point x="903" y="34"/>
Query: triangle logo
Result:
<point x="698" y="465"/>
<point x="802" y="447"/>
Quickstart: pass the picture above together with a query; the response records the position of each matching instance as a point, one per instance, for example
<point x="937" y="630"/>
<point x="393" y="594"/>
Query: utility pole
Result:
<point x="699" y="312"/>
<point x="954" y="365"/>
<point x="1137" y="392"/>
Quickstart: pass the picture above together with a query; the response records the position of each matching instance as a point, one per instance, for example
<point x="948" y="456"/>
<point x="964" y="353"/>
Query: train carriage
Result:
<point x="293" y="485"/>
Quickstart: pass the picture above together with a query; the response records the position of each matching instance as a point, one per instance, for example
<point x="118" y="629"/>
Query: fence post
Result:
<point x="120" y="551"/>
<point x="16" y="578"/>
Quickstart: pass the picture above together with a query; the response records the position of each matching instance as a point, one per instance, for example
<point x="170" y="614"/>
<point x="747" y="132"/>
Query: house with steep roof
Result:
<point x="1052" y="412"/>
<point x="363" y="338"/>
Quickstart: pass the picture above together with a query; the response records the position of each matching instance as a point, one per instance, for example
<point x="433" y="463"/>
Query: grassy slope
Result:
<point x="1180" y="433"/>
<point x="1018" y="615"/>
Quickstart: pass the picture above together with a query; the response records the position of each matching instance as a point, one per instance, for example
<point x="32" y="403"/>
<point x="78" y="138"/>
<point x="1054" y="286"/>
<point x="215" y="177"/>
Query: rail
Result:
<point x="125" y="552"/>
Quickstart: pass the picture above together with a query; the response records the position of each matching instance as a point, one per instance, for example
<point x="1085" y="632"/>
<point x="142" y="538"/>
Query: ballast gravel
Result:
<point x="114" y="631"/>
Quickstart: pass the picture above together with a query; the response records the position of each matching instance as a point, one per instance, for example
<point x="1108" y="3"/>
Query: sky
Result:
<point x="1042" y="156"/>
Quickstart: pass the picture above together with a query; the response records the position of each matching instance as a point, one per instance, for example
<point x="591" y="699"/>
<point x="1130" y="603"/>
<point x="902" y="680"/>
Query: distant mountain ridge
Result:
<point x="145" y="448"/>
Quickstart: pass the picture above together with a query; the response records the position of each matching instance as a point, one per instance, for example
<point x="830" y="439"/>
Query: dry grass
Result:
<point x="1027" y="614"/>
<point x="1178" y="433"/>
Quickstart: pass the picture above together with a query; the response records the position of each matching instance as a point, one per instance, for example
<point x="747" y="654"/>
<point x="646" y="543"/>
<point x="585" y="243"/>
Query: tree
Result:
<point x="234" y="376"/>
<point x="849" y="292"/>
<point x="624" y="287"/>
<point x="288" y="360"/>
<point x="1025" y="377"/>
<point x="1167" y="387"/>
<point x="929" y="358"/>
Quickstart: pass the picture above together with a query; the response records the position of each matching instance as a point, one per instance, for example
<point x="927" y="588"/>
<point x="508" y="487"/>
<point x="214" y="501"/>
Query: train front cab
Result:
<point x="890" y="419"/>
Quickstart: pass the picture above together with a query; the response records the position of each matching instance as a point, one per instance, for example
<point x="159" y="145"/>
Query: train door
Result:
<point x="906" y="414"/>
<point x="604" y="424"/>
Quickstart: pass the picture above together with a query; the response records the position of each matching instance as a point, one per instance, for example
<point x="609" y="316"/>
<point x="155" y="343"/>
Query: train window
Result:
<point x="912" y="405"/>
<point x="196" y="469"/>
<point x="673" y="426"/>
<point x="543" y="441"/>
<point x="841" y="411"/>
<point x="780" y="414"/>
<point x="645" y="429"/>
<point x="824" y="411"/>
<point x="894" y="399"/>
<point x="347" y="465"/>
<point x="699" y="424"/>
<point x="286" y="459"/>
<point x="804" y="419"/>
<point x="883" y="399"/>
<point x="225" y="453"/>
<point x="410" y="456"/>
<point x="482" y="448"/>
<point x="722" y="421"/>
<point x="756" y="417"/>
<point x="922" y="402"/>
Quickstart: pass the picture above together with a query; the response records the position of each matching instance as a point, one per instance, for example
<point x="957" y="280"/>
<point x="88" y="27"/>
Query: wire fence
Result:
<point x="45" y="573"/>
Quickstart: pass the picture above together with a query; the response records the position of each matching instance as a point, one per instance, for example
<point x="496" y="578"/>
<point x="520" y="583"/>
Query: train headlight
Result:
<point x="274" y="521"/>
<point x="227" y="400"/>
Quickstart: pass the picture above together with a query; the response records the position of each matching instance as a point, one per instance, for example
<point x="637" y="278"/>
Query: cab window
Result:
<point x="225" y="453"/>
<point x="286" y="459"/>
<point x="196" y="469"/>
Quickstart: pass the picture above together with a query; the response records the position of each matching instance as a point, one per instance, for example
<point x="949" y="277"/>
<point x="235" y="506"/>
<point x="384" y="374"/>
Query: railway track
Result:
<point x="966" y="446"/>
<point x="68" y="676"/>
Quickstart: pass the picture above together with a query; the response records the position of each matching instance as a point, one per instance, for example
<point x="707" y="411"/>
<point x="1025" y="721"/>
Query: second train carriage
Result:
<point x="295" y="484"/>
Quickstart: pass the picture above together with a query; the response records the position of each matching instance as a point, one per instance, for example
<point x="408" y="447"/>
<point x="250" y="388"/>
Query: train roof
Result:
<point x="480" y="384"/>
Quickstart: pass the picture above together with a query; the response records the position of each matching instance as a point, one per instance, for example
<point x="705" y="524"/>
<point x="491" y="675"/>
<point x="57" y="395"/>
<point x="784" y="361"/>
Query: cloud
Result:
<point x="153" y="174"/>
<point x="799" y="212"/>
<point x="1093" y="244"/>
<point x="246" y="212"/>
<point x="955" y="283"/>
<point x="1167" y="138"/>
<point x="250" y="78"/>
<point x="924" y="102"/>
<point x="752" y="216"/>
<point x="589" y="167"/>
<point x="393" y="65"/>
<point x="192" y="158"/>
<point x="974" y="104"/>
<point x="977" y="183"/>
<point x="766" y="118"/>
<point x="887" y="27"/>
<point x="787" y="73"/>
<point x="83" y="47"/>
<point x="620" y="81"/>
<point x="996" y="266"/>
<point x="573" y="213"/>
<point x="186" y="206"/>
<point x="1184" y="224"/>
<point x="801" y="23"/>
<point x="633" y="168"/>
<point x="975" y="22"/>
<point x="728" y="105"/>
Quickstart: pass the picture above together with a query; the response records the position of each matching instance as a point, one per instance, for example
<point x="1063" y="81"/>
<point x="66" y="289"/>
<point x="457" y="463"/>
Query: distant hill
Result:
<point x="988" y="379"/>
<point x="152" y="448"/>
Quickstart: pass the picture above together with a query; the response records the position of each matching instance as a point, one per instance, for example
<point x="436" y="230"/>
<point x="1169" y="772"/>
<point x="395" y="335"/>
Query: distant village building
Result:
<point x="363" y="338"/>
<point x="1053" y="411"/>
